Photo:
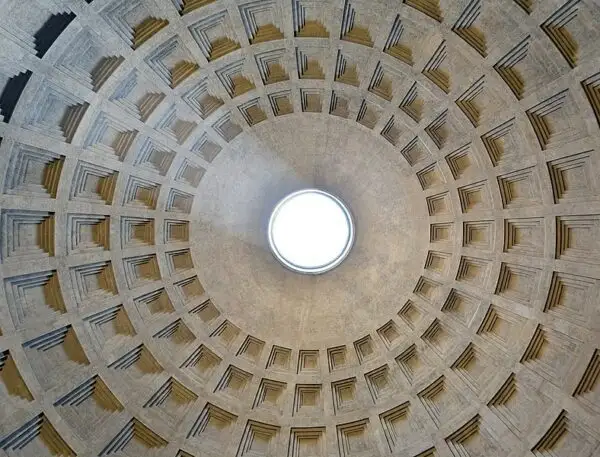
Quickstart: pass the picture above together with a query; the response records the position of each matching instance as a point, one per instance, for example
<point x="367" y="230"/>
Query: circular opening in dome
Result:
<point x="311" y="231"/>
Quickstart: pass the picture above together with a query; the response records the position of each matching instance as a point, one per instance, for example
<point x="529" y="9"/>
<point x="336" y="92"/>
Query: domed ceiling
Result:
<point x="143" y="145"/>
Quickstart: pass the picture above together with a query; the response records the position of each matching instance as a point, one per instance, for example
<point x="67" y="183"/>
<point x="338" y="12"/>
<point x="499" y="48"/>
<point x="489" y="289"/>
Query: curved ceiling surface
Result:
<point x="231" y="234"/>
<point x="143" y="145"/>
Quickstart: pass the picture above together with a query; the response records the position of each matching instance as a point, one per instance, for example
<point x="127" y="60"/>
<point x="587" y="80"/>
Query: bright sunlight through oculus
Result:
<point x="311" y="231"/>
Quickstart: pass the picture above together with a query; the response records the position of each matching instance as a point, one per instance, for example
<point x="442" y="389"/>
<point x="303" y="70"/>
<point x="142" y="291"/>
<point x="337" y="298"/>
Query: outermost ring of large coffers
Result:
<point x="321" y="268"/>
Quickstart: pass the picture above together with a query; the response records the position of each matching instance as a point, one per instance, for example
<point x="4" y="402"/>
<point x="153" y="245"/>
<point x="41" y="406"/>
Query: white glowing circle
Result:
<point x="311" y="231"/>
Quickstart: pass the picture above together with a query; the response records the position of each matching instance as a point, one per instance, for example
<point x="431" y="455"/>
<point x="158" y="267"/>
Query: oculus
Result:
<point x="311" y="231"/>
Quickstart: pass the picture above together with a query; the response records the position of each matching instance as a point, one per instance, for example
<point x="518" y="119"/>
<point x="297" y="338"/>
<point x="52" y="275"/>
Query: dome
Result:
<point x="144" y="146"/>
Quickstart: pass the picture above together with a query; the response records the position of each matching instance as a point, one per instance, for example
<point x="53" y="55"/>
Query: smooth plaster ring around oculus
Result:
<point x="311" y="231"/>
